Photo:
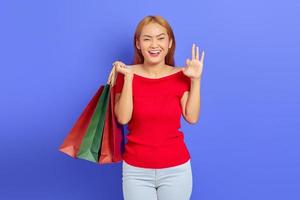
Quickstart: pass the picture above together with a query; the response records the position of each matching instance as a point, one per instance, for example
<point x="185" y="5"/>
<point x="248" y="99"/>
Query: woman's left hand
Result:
<point x="194" y="67"/>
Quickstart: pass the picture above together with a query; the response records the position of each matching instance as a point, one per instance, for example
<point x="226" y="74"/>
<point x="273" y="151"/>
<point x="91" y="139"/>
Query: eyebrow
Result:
<point x="156" y="36"/>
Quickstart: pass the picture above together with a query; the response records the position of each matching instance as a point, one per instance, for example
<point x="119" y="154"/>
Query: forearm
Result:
<point x="192" y="108"/>
<point x="124" y="106"/>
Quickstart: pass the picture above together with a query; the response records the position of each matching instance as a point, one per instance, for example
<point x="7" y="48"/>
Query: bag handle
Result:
<point x="112" y="76"/>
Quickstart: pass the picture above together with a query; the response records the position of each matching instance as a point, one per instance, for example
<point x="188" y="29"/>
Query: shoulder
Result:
<point x="174" y="69"/>
<point x="177" y="68"/>
<point x="136" y="68"/>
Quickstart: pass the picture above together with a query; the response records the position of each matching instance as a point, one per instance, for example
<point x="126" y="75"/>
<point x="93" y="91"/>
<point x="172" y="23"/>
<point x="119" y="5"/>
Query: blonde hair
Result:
<point x="138" y="57"/>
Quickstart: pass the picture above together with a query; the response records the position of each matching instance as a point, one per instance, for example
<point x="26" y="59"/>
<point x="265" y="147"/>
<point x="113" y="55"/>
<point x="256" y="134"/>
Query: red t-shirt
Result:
<point x="153" y="139"/>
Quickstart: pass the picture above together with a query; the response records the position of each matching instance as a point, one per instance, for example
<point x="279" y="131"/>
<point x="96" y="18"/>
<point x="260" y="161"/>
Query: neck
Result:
<point x="153" y="69"/>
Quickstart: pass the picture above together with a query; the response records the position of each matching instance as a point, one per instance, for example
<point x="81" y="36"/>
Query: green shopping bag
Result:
<point x="91" y="143"/>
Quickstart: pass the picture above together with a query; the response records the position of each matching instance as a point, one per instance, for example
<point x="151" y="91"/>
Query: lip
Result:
<point x="154" y="50"/>
<point x="153" y="55"/>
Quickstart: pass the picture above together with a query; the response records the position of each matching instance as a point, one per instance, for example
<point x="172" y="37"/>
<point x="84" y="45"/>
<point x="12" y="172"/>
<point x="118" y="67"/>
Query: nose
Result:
<point x="153" y="45"/>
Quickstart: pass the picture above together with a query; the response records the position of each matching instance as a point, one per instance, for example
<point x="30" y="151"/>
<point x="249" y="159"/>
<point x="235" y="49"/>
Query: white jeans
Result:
<point x="171" y="183"/>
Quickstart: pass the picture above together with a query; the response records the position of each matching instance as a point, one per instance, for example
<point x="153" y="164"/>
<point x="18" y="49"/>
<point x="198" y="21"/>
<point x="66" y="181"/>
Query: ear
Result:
<point x="137" y="44"/>
<point x="170" y="44"/>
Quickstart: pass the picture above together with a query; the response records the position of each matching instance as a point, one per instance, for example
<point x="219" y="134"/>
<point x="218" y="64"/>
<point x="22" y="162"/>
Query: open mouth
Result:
<point x="154" y="53"/>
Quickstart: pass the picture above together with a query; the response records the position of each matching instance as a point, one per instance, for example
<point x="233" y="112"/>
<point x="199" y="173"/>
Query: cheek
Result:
<point x="144" y="44"/>
<point x="167" y="44"/>
<point x="144" y="48"/>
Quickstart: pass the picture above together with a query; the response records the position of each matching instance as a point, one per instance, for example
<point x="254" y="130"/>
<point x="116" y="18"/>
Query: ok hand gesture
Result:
<point x="194" y="67"/>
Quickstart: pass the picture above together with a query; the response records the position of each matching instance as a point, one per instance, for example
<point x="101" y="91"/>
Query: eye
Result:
<point x="161" y="38"/>
<point x="146" y="39"/>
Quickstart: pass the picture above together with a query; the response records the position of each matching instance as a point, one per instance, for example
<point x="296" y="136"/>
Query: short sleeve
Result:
<point x="119" y="83"/>
<point x="185" y="84"/>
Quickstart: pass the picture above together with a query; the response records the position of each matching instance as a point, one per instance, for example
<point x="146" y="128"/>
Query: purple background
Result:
<point x="55" y="54"/>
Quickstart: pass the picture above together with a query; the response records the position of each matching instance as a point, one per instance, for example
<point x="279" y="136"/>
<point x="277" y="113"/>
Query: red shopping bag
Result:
<point x="71" y="144"/>
<point x="113" y="141"/>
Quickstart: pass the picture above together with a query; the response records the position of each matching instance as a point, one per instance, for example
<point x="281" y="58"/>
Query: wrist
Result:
<point x="196" y="79"/>
<point x="128" y="76"/>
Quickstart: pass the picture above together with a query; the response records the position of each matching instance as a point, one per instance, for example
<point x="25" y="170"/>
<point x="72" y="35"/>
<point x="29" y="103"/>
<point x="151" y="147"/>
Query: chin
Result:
<point x="155" y="61"/>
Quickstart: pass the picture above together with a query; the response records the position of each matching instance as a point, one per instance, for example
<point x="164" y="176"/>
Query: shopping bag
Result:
<point x="71" y="143"/>
<point x="90" y="145"/>
<point x="97" y="136"/>
<point x="113" y="142"/>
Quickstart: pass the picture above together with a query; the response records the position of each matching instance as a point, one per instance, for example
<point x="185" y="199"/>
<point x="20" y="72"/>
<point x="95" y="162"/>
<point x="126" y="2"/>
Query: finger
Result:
<point x="202" y="57"/>
<point x="193" y="51"/>
<point x="187" y="62"/>
<point x="197" y="53"/>
<point x="116" y="67"/>
<point x="122" y="64"/>
<point x="119" y="67"/>
<point x="116" y="63"/>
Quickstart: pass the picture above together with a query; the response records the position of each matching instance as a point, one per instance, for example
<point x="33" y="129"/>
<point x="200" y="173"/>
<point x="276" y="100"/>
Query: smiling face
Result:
<point x="154" y="43"/>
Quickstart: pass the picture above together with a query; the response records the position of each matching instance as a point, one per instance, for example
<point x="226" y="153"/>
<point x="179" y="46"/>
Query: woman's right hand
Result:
<point x="121" y="67"/>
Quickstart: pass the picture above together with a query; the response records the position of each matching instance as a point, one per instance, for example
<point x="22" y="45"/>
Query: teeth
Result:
<point x="154" y="51"/>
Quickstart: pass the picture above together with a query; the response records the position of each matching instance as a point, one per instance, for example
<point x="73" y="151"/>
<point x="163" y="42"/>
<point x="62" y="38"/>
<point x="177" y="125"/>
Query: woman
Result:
<point x="150" y="96"/>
